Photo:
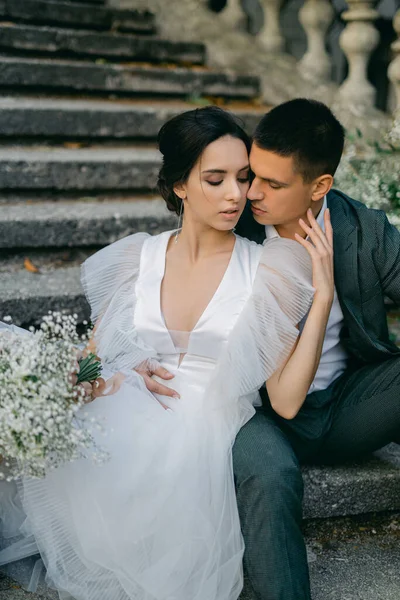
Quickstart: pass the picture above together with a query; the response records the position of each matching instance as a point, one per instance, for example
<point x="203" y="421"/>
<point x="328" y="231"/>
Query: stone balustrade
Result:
<point x="270" y="36"/>
<point x="265" y="55"/>
<point x="233" y="14"/>
<point x="358" y="40"/>
<point x="394" y="67"/>
<point x="316" y="16"/>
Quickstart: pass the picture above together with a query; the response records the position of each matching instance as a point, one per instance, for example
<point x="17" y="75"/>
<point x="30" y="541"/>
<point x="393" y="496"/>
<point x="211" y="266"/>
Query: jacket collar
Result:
<point x="345" y="244"/>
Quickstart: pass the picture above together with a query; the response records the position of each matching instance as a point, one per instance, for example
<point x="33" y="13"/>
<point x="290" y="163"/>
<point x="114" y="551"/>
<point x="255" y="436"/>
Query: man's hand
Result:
<point x="150" y="368"/>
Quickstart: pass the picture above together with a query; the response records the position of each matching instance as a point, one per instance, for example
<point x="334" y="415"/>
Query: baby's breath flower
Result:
<point x="369" y="172"/>
<point x="42" y="420"/>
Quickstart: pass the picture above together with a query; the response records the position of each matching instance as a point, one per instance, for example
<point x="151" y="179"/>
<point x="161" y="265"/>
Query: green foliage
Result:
<point x="89" y="368"/>
<point x="369" y="171"/>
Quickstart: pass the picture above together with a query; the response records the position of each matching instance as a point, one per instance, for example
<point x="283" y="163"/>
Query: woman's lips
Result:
<point x="230" y="214"/>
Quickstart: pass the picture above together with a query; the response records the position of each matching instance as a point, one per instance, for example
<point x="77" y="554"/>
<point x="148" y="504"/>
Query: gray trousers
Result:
<point x="357" y="414"/>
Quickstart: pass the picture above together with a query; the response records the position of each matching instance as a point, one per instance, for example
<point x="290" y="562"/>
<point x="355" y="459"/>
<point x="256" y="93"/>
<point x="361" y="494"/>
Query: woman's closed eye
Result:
<point x="240" y="180"/>
<point x="215" y="182"/>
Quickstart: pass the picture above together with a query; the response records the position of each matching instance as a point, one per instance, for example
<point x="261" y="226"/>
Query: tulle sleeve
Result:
<point x="109" y="279"/>
<point x="266" y="329"/>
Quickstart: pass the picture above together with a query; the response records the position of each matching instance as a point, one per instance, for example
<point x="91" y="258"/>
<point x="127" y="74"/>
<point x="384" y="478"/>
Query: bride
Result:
<point x="159" y="521"/>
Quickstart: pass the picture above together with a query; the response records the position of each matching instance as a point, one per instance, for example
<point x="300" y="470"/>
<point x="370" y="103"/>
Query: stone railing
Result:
<point x="355" y="97"/>
<point x="283" y="76"/>
<point x="358" y="40"/>
<point x="394" y="67"/>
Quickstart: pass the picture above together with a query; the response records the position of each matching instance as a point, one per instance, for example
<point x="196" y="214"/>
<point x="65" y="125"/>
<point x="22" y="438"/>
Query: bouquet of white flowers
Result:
<point x="41" y="397"/>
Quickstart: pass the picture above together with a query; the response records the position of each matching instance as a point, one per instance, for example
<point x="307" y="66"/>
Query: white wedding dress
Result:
<point x="159" y="520"/>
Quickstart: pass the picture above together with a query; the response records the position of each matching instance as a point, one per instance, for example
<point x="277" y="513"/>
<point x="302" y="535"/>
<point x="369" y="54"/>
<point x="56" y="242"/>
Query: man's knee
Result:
<point x="264" y="461"/>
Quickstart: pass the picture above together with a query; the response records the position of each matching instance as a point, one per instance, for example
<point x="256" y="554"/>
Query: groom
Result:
<point x="353" y="405"/>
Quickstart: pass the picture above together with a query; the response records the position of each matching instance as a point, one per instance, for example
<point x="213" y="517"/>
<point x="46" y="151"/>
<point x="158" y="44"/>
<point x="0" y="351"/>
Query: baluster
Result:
<point x="270" y="35"/>
<point x="358" y="40"/>
<point x="394" y="67"/>
<point x="315" y="17"/>
<point x="233" y="13"/>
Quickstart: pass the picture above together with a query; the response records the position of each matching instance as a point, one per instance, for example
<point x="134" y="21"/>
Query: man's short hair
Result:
<point x="308" y="131"/>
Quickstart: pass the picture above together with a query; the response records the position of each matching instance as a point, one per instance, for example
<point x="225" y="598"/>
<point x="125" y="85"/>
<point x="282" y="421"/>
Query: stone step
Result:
<point x="87" y="222"/>
<point x="97" y="168"/>
<point x="20" y="288"/>
<point x="46" y="74"/>
<point x="28" y="296"/>
<point x="82" y="1"/>
<point x="56" y="41"/>
<point x="355" y="558"/>
<point x="368" y="485"/>
<point x="72" y="118"/>
<point x="358" y="568"/>
<point x="89" y="16"/>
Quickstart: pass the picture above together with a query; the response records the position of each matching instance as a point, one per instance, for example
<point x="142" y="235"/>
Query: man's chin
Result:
<point x="261" y="219"/>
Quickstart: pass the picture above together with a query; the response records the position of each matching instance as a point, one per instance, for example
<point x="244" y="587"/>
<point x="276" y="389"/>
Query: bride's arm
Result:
<point x="288" y="386"/>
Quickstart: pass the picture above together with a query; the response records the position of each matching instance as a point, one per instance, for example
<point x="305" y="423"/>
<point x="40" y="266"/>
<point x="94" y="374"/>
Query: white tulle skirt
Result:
<point x="157" y="521"/>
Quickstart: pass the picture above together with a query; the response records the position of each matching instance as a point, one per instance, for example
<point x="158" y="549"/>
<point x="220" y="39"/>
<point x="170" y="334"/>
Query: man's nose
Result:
<point x="254" y="192"/>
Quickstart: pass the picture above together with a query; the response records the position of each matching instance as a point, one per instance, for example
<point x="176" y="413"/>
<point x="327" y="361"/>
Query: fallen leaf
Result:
<point x="72" y="145"/>
<point x="29" y="266"/>
<point x="220" y="101"/>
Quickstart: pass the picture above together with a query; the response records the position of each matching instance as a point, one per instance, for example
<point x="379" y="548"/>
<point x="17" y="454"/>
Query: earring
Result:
<point x="179" y="221"/>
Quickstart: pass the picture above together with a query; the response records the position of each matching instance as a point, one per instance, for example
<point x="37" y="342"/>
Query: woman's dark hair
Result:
<point x="183" y="139"/>
<point x="308" y="131"/>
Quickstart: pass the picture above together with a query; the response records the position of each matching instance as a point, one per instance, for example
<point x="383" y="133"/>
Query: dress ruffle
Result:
<point x="159" y="521"/>
<point x="108" y="279"/>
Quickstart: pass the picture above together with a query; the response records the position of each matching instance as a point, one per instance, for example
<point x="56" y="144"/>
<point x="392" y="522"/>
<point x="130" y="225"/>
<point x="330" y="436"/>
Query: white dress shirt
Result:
<point x="334" y="356"/>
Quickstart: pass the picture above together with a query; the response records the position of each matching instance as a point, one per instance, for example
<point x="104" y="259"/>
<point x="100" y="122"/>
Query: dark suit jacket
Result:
<point x="367" y="268"/>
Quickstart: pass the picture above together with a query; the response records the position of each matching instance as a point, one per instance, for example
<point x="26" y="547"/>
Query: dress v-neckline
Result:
<point x="168" y="235"/>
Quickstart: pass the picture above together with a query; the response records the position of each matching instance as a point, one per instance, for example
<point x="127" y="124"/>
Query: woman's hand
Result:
<point x="320" y="248"/>
<point x="91" y="390"/>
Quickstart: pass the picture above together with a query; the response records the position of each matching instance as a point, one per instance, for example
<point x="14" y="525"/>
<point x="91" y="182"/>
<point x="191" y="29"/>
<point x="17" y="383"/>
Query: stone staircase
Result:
<point x="84" y="91"/>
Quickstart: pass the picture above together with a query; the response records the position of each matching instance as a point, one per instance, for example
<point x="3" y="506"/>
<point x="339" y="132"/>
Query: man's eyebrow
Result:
<point x="223" y="171"/>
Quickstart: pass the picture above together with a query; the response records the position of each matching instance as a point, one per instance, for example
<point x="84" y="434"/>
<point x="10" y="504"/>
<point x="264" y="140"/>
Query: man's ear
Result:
<point x="180" y="191"/>
<point x="321" y="187"/>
